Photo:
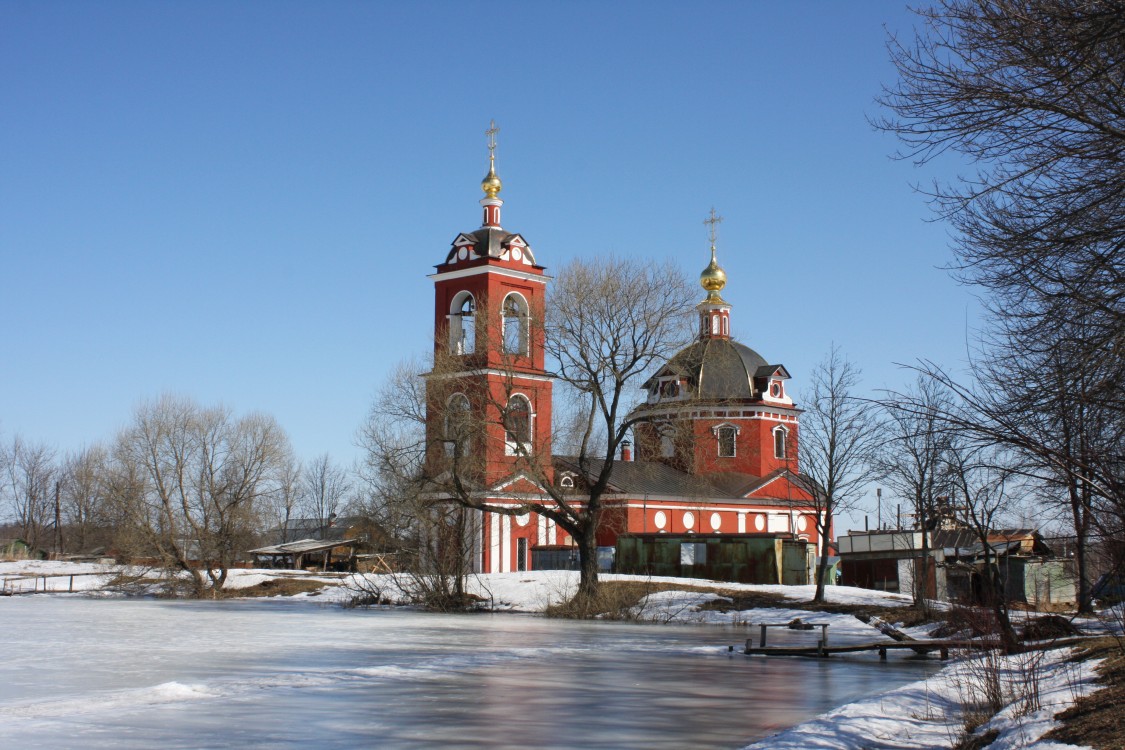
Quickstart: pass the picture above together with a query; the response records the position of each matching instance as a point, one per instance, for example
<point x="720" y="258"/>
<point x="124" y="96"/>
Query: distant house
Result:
<point x="18" y="549"/>
<point x="891" y="560"/>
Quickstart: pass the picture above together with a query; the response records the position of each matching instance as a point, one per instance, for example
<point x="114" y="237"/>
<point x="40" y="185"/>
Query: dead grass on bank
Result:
<point x="1098" y="720"/>
<point x="977" y="741"/>
<point x="621" y="600"/>
<point x="279" y="587"/>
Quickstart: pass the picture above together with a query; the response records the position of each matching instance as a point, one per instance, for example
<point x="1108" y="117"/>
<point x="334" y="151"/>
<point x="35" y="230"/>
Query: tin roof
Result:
<point x="656" y="478"/>
<point x="302" y="546"/>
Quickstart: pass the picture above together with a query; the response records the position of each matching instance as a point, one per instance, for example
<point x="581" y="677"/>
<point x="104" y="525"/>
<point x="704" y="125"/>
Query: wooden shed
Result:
<point x="337" y="554"/>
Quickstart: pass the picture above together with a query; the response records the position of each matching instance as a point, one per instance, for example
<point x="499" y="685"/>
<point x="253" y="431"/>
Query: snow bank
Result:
<point x="931" y="713"/>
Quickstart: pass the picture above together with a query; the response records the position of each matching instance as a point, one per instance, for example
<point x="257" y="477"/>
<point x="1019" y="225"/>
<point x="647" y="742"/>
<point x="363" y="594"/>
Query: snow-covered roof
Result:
<point x="302" y="546"/>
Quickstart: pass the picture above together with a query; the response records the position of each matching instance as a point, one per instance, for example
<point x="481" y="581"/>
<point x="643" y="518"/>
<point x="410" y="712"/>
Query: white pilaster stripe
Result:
<point x="494" y="544"/>
<point x="506" y="544"/>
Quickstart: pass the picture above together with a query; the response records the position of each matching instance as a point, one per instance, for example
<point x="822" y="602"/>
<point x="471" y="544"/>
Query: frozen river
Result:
<point x="96" y="673"/>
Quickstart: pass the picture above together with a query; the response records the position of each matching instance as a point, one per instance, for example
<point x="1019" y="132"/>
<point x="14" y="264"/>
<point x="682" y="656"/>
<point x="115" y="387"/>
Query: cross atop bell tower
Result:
<point x="491" y="184"/>
<point x="713" y="221"/>
<point x="714" y="311"/>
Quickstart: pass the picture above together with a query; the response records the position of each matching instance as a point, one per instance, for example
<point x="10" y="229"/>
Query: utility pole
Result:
<point x="879" y="501"/>
<point x="58" y="521"/>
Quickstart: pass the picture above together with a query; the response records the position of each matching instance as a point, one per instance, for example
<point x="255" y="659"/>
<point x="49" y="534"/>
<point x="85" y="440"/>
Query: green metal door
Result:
<point x="793" y="570"/>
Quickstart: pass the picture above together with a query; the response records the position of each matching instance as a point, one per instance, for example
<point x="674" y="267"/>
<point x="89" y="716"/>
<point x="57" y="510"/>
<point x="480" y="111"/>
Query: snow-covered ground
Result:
<point x="926" y="714"/>
<point x="931" y="713"/>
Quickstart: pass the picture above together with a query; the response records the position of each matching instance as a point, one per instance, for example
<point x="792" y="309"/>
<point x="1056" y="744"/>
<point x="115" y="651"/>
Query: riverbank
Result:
<point x="932" y="713"/>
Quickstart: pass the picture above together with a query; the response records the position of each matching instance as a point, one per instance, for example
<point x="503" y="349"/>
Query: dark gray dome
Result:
<point x="490" y="242"/>
<point x="718" y="369"/>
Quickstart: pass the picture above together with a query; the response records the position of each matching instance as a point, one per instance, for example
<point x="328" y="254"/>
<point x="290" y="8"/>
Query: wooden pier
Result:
<point x="822" y="650"/>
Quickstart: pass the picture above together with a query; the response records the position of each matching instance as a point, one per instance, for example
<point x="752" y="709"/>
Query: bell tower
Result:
<point x="489" y="395"/>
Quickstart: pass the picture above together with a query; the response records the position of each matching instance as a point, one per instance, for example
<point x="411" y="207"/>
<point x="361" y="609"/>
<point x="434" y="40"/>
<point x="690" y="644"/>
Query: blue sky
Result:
<point x="241" y="202"/>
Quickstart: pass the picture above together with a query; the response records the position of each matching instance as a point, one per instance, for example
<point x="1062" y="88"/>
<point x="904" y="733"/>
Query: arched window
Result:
<point x="462" y="324"/>
<point x="667" y="446"/>
<point x="517" y="425"/>
<point x="670" y="389"/>
<point x="726" y="433"/>
<point x="457" y="425"/>
<point x="780" y="440"/>
<point x="567" y="481"/>
<point x="515" y="324"/>
<point x="667" y="434"/>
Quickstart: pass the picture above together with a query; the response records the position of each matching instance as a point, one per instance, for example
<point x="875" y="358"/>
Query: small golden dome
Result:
<point x="713" y="278"/>
<point x="491" y="183"/>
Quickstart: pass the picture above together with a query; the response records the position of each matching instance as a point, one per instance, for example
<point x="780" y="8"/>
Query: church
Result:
<point x="717" y="451"/>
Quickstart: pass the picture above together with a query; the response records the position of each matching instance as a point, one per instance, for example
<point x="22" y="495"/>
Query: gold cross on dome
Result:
<point x="713" y="220"/>
<point x="491" y="133"/>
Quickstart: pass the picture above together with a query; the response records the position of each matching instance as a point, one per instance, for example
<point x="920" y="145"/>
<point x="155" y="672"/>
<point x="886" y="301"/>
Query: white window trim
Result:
<point x="456" y="327"/>
<point x="446" y="440"/>
<point x="717" y="429"/>
<point x="524" y="319"/>
<point x="784" y="441"/>
<point x="511" y="447"/>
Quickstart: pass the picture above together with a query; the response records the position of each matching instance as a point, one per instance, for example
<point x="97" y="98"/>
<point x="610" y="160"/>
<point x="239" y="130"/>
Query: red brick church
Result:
<point x="718" y="457"/>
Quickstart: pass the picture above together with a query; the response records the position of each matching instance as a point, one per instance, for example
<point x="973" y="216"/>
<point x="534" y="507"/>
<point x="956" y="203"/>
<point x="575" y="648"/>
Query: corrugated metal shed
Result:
<point x="741" y="558"/>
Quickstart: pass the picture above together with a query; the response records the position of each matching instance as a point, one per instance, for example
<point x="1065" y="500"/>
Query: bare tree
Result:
<point x="979" y="478"/>
<point x="30" y="475"/>
<point x="393" y="441"/>
<point x="913" y="460"/>
<point x="84" y="502"/>
<point x="284" y="500"/>
<point x="839" y="434"/>
<point x="324" y="489"/>
<point x="192" y="482"/>
<point x="433" y="539"/>
<point x="1031" y="91"/>
<point x="1068" y="443"/>
<point x="609" y="323"/>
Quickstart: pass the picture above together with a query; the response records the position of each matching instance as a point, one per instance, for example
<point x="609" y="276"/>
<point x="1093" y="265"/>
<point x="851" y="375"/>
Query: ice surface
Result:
<point x="141" y="673"/>
<point x="299" y="670"/>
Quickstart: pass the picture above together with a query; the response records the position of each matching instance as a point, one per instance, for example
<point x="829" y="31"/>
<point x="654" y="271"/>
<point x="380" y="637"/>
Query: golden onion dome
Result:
<point x="713" y="278"/>
<point x="491" y="183"/>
